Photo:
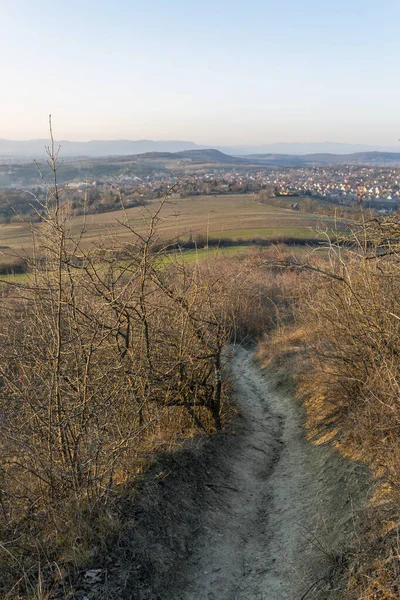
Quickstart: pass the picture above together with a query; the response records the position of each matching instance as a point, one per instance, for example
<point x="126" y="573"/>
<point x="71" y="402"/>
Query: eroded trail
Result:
<point x="278" y="506"/>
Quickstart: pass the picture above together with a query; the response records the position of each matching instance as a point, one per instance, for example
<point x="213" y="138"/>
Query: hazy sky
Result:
<point x="211" y="71"/>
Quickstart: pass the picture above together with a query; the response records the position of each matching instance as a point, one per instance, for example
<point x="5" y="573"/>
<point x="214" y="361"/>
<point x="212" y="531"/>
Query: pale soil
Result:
<point x="279" y="511"/>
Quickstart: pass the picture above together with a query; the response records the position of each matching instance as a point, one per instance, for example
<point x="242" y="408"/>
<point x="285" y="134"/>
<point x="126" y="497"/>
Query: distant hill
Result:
<point x="357" y="158"/>
<point x="95" y="148"/>
<point x="147" y="150"/>
<point x="289" y="160"/>
<point x="210" y="155"/>
<point x="195" y="156"/>
<point x="101" y="148"/>
<point x="306" y="148"/>
<point x="381" y="158"/>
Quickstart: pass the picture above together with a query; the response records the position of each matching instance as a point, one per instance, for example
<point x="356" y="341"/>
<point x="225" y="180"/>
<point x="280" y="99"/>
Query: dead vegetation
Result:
<point x="343" y="349"/>
<point x="104" y="364"/>
<point x="107" y="363"/>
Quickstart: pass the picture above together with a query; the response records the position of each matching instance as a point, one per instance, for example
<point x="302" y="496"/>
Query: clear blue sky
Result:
<point x="217" y="72"/>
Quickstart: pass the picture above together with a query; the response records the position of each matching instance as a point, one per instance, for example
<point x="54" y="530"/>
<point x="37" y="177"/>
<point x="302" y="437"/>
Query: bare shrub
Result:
<point x="107" y="355"/>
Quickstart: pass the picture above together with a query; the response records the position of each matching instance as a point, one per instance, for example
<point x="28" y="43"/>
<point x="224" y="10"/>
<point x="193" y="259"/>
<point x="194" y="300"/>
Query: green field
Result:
<point x="190" y="256"/>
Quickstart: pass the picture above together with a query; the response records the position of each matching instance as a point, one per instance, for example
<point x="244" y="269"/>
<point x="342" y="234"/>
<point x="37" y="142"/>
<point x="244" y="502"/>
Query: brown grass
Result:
<point x="343" y="349"/>
<point x="102" y="371"/>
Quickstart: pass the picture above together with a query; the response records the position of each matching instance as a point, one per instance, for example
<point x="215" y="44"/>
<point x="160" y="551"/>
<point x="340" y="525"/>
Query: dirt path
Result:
<point x="279" y="508"/>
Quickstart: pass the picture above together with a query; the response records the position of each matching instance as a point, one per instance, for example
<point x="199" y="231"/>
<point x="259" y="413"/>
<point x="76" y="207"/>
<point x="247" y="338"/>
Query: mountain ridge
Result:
<point x="289" y="160"/>
<point x="35" y="148"/>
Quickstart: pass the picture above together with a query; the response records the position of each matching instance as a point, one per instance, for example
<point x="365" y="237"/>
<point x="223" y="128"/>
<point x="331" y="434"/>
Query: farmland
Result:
<point x="237" y="217"/>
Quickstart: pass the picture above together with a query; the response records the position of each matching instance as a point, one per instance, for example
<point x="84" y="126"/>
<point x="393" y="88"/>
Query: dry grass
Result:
<point x="343" y="349"/>
<point x="60" y="505"/>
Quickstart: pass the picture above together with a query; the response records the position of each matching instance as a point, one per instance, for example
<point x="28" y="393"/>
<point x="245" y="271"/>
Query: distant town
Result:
<point x="101" y="185"/>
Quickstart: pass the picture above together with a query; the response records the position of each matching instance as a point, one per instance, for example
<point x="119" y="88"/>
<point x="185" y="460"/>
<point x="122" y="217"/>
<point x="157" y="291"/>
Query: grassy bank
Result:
<point x="342" y="344"/>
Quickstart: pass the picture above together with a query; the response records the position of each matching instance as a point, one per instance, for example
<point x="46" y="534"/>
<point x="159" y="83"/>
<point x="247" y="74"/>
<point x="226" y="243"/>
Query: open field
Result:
<point x="190" y="256"/>
<point x="226" y="216"/>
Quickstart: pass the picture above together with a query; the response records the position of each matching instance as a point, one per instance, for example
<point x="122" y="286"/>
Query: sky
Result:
<point x="213" y="72"/>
